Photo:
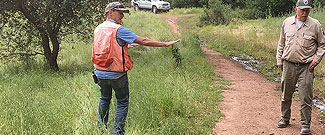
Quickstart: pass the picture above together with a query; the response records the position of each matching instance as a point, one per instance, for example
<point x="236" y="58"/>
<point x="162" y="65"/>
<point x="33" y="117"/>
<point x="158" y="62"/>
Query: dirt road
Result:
<point x="252" y="106"/>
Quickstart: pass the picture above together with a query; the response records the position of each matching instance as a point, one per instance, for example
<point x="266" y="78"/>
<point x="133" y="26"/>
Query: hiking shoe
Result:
<point x="283" y="123"/>
<point x="305" y="131"/>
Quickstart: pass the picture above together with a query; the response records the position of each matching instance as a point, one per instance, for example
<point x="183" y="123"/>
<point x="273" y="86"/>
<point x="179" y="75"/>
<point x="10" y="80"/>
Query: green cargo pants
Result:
<point x="302" y="74"/>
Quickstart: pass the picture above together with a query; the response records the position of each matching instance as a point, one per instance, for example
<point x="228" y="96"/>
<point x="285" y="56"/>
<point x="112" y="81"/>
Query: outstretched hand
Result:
<point x="172" y="42"/>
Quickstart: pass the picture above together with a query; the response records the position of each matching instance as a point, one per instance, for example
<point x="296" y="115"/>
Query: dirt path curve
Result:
<point x="172" y="19"/>
<point x="252" y="106"/>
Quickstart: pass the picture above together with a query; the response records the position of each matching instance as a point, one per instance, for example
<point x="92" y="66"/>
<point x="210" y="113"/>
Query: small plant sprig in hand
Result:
<point x="177" y="55"/>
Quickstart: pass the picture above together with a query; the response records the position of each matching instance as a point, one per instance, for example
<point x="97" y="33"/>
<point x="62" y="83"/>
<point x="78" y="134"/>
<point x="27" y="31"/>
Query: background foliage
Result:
<point x="187" y="3"/>
<point x="224" y="11"/>
<point x="216" y="13"/>
<point x="33" y="27"/>
<point x="262" y="9"/>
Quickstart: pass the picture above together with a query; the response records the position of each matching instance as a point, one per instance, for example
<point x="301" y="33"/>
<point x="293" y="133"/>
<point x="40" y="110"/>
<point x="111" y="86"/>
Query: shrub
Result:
<point x="235" y="3"/>
<point x="262" y="9"/>
<point x="187" y="3"/>
<point x="318" y="3"/>
<point x="216" y="14"/>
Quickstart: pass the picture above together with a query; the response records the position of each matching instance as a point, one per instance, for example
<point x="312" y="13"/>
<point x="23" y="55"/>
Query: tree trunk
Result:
<point x="54" y="55"/>
<point x="50" y="56"/>
<point x="46" y="33"/>
<point x="53" y="63"/>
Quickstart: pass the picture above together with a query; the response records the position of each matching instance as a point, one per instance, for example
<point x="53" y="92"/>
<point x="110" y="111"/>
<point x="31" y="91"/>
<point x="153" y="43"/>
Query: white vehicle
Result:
<point x="153" y="5"/>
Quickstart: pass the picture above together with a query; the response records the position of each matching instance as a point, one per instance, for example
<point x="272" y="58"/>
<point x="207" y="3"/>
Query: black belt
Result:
<point x="298" y="63"/>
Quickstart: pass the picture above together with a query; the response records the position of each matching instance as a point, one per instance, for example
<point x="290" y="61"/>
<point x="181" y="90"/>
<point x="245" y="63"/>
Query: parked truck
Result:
<point x="154" y="5"/>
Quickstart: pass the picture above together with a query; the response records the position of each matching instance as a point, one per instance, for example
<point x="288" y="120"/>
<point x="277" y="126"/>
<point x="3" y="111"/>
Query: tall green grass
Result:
<point x="164" y="99"/>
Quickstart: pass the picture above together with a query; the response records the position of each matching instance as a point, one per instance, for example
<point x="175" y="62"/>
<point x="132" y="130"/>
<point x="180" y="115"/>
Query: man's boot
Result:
<point x="283" y="123"/>
<point x="305" y="131"/>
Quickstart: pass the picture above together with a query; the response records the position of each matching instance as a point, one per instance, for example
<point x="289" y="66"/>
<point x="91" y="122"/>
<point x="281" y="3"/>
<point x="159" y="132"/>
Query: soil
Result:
<point x="252" y="105"/>
<point x="172" y="19"/>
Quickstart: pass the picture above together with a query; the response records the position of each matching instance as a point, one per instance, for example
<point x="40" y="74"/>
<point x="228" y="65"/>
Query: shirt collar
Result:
<point x="112" y="20"/>
<point x="293" y="21"/>
<point x="307" y="22"/>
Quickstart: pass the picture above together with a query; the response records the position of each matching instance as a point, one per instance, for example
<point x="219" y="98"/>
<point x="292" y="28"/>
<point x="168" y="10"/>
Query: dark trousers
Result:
<point x="121" y="88"/>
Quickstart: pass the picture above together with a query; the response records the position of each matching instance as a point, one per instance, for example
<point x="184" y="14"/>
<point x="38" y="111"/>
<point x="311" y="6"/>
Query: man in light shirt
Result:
<point x="300" y="49"/>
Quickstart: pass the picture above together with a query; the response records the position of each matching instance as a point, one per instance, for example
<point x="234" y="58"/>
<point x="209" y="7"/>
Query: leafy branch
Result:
<point x="177" y="56"/>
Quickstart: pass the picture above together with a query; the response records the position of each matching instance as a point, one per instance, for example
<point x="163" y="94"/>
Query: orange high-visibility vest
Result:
<point x="107" y="54"/>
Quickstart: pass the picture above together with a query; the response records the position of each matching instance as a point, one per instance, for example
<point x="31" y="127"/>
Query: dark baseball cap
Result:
<point x="302" y="4"/>
<point x="116" y="6"/>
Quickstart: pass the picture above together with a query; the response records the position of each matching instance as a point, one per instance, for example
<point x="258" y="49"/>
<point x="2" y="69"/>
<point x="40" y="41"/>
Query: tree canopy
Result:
<point x="34" y="27"/>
